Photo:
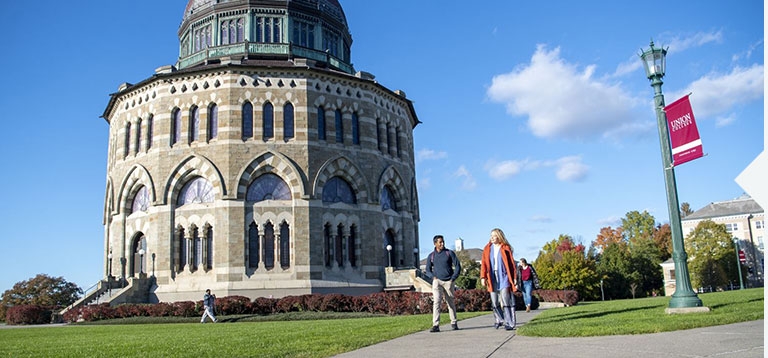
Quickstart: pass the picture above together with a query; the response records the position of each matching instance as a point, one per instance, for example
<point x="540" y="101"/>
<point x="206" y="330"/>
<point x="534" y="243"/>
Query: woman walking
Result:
<point x="498" y="274"/>
<point x="528" y="279"/>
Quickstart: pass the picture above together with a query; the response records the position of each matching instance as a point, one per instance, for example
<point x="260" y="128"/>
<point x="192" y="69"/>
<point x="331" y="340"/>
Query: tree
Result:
<point x="42" y="290"/>
<point x="470" y="271"/>
<point x="638" y="226"/>
<point x="608" y="236"/>
<point x="614" y="268"/>
<point x="685" y="210"/>
<point x="562" y="264"/>
<point x="662" y="236"/>
<point x="712" y="257"/>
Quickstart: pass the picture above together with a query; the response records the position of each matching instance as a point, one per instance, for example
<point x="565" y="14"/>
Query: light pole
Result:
<point x="109" y="268"/>
<point x="416" y="257"/>
<point x="738" y="262"/>
<point x="654" y="61"/>
<point x="389" y="254"/>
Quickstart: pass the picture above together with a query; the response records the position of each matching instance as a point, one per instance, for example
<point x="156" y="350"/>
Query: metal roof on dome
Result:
<point x="331" y="7"/>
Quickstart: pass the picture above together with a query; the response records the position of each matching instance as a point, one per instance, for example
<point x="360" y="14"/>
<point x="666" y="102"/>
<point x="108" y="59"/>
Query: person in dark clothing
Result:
<point x="444" y="268"/>
<point x="208" y="305"/>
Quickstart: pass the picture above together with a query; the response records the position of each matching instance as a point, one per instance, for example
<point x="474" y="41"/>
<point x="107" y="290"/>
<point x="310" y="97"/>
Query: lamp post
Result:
<point x="738" y="262"/>
<point x="416" y="257"/>
<point x="141" y="262"/>
<point x="109" y="267"/>
<point x="654" y="61"/>
<point x="389" y="254"/>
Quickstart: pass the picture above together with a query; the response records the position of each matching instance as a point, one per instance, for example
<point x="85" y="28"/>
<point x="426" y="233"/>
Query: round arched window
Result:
<point x="268" y="187"/>
<point x="140" y="200"/>
<point x="197" y="190"/>
<point x="338" y="190"/>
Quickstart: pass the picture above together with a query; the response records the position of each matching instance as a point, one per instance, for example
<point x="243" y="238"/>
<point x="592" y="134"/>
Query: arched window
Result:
<point x="339" y="127"/>
<point x="268" y="121"/>
<point x="269" y="246"/>
<point x="285" y="246"/>
<point x="351" y="246"/>
<point x="224" y="33"/>
<point x="197" y="190"/>
<point x="137" y="144"/>
<point x="240" y="31"/>
<point x="253" y="246"/>
<point x="140" y="201"/>
<point x="397" y="141"/>
<point x="213" y="121"/>
<point x="232" y="31"/>
<point x="378" y="133"/>
<point x="288" y="130"/>
<point x="127" y="149"/>
<point x="175" y="126"/>
<point x="268" y="187"/>
<point x="139" y="257"/>
<point x="338" y="190"/>
<point x="181" y="245"/>
<point x="194" y="124"/>
<point x="208" y="251"/>
<point x="389" y="138"/>
<point x="355" y="129"/>
<point x="387" y="199"/>
<point x="150" y="128"/>
<point x="327" y="244"/>
<point x="320" y="123"/>
<point x="247" y="116"/>
<point x="197" y="249"/>
<point x="337" y="248"/>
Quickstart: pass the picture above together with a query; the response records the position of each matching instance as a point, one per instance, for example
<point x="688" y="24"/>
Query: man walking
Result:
<point x="209" y="300"/>
<point x="444" y="268"/>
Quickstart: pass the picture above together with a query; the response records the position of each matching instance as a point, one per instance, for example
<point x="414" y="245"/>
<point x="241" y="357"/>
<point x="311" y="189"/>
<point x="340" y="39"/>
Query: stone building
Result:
<point x="261" y="163"/>
<point x="744" y="219"/>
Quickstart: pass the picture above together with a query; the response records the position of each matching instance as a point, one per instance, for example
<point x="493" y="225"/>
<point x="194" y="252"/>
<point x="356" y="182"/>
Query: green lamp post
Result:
<point x="654" y="61"/>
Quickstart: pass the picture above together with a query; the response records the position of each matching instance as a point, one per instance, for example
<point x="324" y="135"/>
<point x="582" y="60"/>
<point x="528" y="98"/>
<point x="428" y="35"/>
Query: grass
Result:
<point x="239" y="336"/>
<point x="313" y="334"/>
<point x="644" y="315"/>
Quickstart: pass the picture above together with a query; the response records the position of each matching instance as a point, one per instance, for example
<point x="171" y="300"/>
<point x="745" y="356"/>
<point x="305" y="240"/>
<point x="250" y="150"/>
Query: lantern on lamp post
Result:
<point x="654" y="61"/>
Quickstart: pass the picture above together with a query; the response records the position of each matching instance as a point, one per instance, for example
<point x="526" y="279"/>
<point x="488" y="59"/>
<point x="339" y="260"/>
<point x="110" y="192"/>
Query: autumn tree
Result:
<point x="662" y="236"/>
<point x="562" y="264"/>
<point x="470" y="271"/>
<point x="608" y="236"/>
<point x="638" y="226"/>
<point x="42" y="290"/>
<point x="711" y="255"/>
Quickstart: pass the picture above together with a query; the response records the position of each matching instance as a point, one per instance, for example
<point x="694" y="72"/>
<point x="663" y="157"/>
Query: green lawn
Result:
<point x="297" y="335"/>
<point x="644" y="315"/>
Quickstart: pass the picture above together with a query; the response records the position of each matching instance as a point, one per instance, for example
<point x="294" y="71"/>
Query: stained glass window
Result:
<point x="247" y="120"/>
<point x="355" y="129"/>
<point x="253" y="246"/>
<point x="268" y="187"/>
<point x="127" y="139"/>
<point x="269" y="121"/>
<point x="150" y="123"/>
<point x="175" y="126"/>
<point x="338" y="190"/>
<point x="288" y="121"/>
<point x="269" y="246"/>
<point x="320" y="123"/>
<point x="140" y="200"/>
<point x="285" y="245"/>
<point x="194" y="124"/>
<point x="197" y="190"/>
<point x="388" y="200"/>
<point x="213" y="121"/>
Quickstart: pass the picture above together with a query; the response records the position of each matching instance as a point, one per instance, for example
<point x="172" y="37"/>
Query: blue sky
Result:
<point x="537" y="119"/>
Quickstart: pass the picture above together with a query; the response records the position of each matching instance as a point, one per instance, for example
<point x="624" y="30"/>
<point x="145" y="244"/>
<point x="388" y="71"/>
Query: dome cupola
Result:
<point x="265" y="30"/>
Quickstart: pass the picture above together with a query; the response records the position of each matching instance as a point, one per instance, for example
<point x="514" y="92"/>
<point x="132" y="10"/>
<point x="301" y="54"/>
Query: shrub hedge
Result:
<point x="391" y="303"/>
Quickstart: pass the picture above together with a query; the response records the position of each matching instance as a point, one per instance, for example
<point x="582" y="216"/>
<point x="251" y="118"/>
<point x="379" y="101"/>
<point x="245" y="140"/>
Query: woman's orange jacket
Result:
<point x="509" y="264"/>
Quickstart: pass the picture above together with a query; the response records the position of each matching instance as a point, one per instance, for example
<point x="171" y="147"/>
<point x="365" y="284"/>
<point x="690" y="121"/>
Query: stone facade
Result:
<point x="182" y="167"/>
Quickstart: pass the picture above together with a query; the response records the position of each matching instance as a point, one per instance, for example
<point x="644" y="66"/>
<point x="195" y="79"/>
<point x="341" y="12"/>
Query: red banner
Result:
<point x="686" y="143"/>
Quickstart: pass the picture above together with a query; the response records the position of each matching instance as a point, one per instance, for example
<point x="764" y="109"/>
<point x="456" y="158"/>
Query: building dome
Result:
<point x="265" y="29"/>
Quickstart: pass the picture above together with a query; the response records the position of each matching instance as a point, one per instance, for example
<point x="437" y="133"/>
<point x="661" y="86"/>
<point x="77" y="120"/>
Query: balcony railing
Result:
<point x="264" y="49"/>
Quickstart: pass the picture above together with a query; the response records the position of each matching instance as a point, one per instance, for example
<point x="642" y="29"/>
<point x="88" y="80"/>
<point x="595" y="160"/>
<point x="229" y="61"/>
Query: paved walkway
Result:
<point x="478" y="338"/>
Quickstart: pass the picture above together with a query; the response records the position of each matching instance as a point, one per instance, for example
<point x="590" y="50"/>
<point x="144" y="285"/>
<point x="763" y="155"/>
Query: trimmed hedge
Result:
<point x="28" y="314"/>
<point x="390" y="303"/>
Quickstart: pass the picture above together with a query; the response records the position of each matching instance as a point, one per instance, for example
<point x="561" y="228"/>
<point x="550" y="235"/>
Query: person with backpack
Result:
<point x="444" y="268"/>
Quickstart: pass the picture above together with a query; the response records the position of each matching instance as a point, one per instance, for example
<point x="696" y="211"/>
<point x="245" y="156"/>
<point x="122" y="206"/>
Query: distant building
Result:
<point x="745" y="220"/>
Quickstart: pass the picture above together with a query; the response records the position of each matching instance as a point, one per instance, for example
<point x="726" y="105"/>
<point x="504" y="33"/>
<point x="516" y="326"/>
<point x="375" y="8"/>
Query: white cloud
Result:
<point x="468" y="182"/>
<point x="571" y="169"/>
<point x="541" y="219"/>
<point x="429" y="154"/>
<point x="725" y="121"/>
<point x="677" y="43"/>
<point x="716" y="93"/>
<point x="568" y="168"/>
<point x="613" y="221"/>
<point x="562" y="101"/>
<point x="425" y="183"/>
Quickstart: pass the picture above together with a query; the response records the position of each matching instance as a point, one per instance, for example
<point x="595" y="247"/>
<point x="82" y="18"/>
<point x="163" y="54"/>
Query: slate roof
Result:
<point x="742" y="205"/>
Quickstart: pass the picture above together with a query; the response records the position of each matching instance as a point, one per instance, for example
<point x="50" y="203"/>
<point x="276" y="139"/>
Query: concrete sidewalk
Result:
<point x="478" y="338"/>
